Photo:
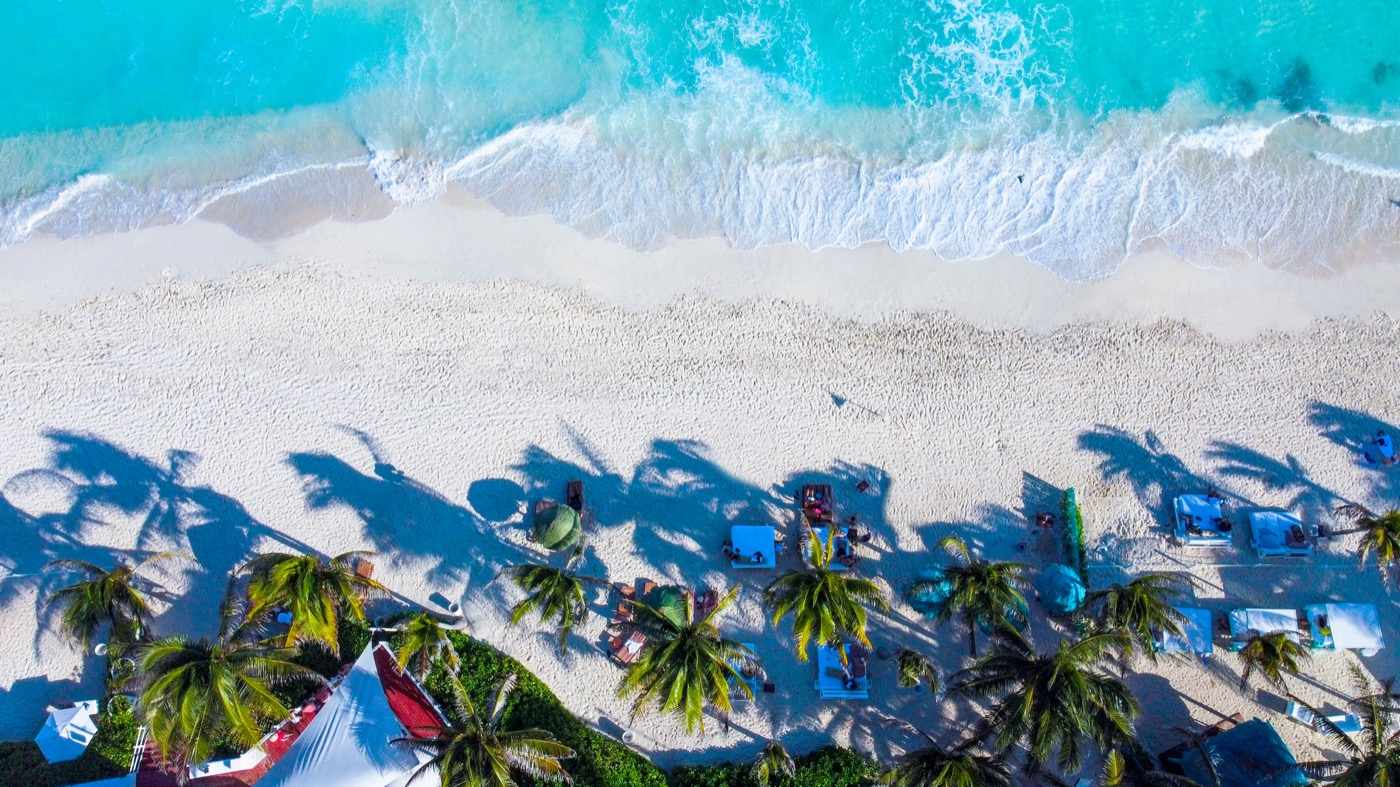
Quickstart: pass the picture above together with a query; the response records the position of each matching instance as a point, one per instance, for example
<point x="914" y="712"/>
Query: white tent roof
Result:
<point x="1195" y="630"/>
<point x="349" y="741"/>
<point x="68" y="731"/>
<point x="1353" y="625"/>
<point x="1264" y="621"/>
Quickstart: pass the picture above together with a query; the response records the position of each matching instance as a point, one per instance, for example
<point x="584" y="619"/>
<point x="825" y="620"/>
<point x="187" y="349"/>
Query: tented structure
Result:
<point x="754" y="546"/>
<point x="1195" y="634"/>
<point x="350" y="743"/>
<point x="68" y="731"/>
<point x="1060" y="589"/>
<point x="670" y="601"/>
<point x="1250" y="755"/>
<point x="1345" y="626"/>
<point x="1246" y="623"/>
<point x="928" y="600"/>
<point x="1279" y="534"/>
<point x="557" y="527"/>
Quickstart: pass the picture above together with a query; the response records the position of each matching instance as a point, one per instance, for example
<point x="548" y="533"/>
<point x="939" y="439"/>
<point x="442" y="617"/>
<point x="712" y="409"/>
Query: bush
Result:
<point x="108" y="755"/>
<point x="831" y="766"/>
<point x="599" y="761"/>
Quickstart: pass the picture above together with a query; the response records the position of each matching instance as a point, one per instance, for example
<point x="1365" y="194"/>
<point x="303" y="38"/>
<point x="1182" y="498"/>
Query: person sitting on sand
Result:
<point x="728" y="549"/>
<point x="1385" y="446"/>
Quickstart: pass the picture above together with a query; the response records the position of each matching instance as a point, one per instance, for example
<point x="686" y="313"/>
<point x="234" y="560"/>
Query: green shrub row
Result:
<point x="828" y="767"/>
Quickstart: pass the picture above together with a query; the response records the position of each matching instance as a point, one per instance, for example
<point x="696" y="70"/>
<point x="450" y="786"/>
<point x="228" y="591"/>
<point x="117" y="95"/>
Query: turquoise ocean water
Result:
<point x="1074" y="133"/>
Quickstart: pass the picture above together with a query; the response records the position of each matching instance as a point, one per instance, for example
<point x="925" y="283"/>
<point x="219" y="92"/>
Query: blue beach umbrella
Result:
<point x="1060" y="589"/>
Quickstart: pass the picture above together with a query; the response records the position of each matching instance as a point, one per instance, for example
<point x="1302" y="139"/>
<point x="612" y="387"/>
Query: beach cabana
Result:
<point x="1200" y="521"/>
<point x="1279" y="534"/>
<point x="669" y="601"/>
<point x="1060" y="589"/>
<point x="1195" y="634"/>
<point x="928" y="600"/>
<point x="1249" y="755"/>
<point x="557" y="527"/>
<point x="841" y="547"/>
<point x="754" y="545"/>
<point x="837" y="681"/>
<point x="1345" y="627"/>
<point x="1247" y="622"/>
<point x="67" y="731"/>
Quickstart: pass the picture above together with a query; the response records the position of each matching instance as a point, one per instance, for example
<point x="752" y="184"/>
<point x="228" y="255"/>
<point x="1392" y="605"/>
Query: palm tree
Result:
<point x="317" y="592"/>
<point x="1055" y="701"/>
<point x="1382" y="537"/>
<point x="104" y="596"/>
<point x="1117" y="773"/>
<point x="772" y="765"/>
<point x="552" y="593"/>
<point x="960" y="766"/>
<point x="1372" y="758"/>
<point x="424" y="641"/>
<point x="476" y="752"/>
<point x="916" y="668"/>
<point x="1141" y="609"/>
<point x="826" y="606"/>
<point x="1272" y="656"/>
<point x="199" y="692"/>
<point x="685" y="664"/>
<point x="985" y="593"/>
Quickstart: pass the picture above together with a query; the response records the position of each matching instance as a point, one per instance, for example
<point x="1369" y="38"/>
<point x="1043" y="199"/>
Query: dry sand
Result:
<point x="342" y="405"/>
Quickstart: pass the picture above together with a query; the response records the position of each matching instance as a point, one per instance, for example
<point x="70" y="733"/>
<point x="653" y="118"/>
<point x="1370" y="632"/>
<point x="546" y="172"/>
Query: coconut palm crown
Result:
<point x="773" y="765"/>
<point x="1142" y="609"/>
<point x="112" y="597"/>
<point x="478" y="751"/>
<point x="827" y="607"/>
<point x="1271" y="657"/>
<point x="423" y="641"/>
<point x="685" y="664"/>
<point x="1372" y="756"/>
<point x="199" y="692"/>
<point x="552" y="594"/>
<point x="1381" y="537"/>
<point x="1055" y="702"/>
<point x="986" y="594"/>
<point x="316" y="591"/>
<point x="959" y="766"/>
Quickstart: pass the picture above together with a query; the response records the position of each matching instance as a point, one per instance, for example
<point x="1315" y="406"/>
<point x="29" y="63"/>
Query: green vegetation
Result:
<point x="1373" y="755"/>
<point x="109" y="754"/>
<point x="483" y="751"/>
<point x="1139" y="609"/>
<point x="826" y="606"/>
<point x="685" y="665"/>
<point x="827" y="767"/>
<point x="1075" y="554"/>
<point x="552" y="594"/>
<point x="986" y="594"/>
<point x="1381" y="539"/>
<point x="1054" y="702"/>
<point x="318" y="593"/>
<point x="1271" y="656"/>
<point x="423" y="642"/>
<point x="103" y="596"/>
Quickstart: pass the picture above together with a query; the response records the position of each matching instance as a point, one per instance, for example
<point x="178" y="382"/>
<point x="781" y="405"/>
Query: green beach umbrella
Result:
<point x="558" y="528"/>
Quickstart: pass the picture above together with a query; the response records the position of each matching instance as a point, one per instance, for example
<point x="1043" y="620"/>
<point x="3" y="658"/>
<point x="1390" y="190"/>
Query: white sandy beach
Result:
<point x="408" y="385"/>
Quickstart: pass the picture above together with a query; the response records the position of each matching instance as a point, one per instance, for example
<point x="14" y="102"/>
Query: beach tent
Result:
<point x="67" y="731"/>
<point x="1279" y="534"/>
<point x="1198" y="521"/>
<point x="1348" y="626"/>
<point x="670" y="601"/>
<point x="558" y="527"/>
<point x="1060" y="589"/>
<point x="1195" y="634"/>
<point x="1244" y="623"/>
<point x="350" y="741"/>
<point x="1250" y="755"/>
<point x="831" y="674"/>
<point x="755" y="545"/>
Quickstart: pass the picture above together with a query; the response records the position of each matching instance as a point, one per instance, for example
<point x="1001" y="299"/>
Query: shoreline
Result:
<point x="461" y="239"/>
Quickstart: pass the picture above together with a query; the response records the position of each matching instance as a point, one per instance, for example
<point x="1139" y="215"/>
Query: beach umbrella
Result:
<point x="932" y="591"/>
<point x="670" y="601"/>
<point x="557" y="527"/>
<point x="1060" y="589"/>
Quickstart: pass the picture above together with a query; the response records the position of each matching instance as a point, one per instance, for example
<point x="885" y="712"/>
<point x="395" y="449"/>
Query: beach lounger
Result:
<point x="1344" y="627"/>
<point x="1346" y="722"/>
<point x="1279" y="534"/>
<point x="1200" y="521"/>
<point x="817" y="503"/>
<point x="755" y="546"/>
<point x="626" y="650"/>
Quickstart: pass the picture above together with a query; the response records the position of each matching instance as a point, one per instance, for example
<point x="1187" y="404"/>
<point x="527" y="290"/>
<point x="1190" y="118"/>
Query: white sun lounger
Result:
<point x="1346" y="722"/>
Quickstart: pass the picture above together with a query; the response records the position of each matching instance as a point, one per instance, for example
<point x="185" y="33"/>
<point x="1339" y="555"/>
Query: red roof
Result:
<point x="414" y="709"/>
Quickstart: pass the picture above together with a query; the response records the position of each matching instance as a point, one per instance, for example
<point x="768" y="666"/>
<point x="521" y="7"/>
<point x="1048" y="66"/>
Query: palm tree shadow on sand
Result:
<point x="1354" y="431"/>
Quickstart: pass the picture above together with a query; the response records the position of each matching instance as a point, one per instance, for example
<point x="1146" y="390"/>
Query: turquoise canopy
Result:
<point x="1060" y="589"/>
<point x="1250" y="755"/>
<point x="558" y="528"/>
<point x="929" y="594"/>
